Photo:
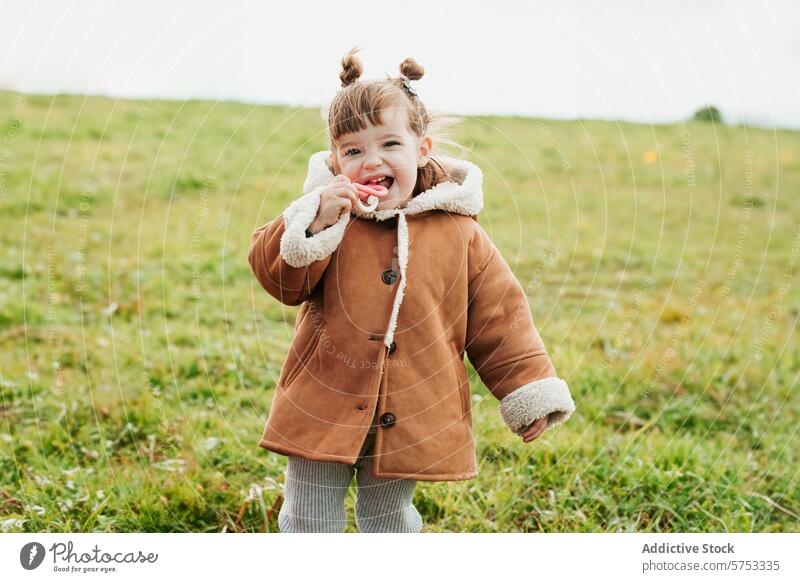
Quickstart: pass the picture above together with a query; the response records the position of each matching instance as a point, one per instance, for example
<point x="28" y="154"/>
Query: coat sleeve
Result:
<point x="504" y="346"/>
<point x="286" y="261"/>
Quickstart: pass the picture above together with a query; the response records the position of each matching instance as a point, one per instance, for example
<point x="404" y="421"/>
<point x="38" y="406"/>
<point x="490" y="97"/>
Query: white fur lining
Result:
<point x="296" y="248"/>
<point x="402" y="250"/>
<point x="546" y="397"/>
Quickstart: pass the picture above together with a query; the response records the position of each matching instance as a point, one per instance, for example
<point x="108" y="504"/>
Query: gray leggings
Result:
<point x="315" y="492"/>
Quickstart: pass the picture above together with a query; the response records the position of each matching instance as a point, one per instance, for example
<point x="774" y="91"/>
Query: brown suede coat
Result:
<point x="390" y="302"/>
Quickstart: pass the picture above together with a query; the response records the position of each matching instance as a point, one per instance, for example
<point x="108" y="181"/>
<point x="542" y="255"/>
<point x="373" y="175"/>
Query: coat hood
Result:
<point x="464" y="195"/>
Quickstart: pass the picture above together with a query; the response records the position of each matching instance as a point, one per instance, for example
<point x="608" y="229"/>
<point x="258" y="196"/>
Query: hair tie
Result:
<point x="407" y="85"/>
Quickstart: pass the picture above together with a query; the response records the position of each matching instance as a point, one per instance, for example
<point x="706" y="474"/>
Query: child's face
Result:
<point x="373" y="152"/>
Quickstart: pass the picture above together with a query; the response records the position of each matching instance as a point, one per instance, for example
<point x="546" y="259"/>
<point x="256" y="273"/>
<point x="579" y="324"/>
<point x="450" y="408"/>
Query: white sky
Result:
<point x="631" y="60"/>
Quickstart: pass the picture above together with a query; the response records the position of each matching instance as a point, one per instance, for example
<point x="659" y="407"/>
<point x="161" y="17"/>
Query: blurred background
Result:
<point x="647" y="62"/>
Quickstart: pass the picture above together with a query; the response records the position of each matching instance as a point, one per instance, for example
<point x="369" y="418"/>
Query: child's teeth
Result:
<point x="382" y="181"/>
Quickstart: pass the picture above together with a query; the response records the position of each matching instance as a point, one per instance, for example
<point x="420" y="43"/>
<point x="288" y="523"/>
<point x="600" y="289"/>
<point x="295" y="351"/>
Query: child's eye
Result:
<point x="353" y="151"/>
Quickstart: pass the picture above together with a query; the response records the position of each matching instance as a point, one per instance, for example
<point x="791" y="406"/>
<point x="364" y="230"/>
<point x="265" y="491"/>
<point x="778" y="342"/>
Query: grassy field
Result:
<point x="138" y="355"/>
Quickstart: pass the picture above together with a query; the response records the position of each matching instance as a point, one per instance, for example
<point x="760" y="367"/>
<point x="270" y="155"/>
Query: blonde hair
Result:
<point x="360" y="101"/>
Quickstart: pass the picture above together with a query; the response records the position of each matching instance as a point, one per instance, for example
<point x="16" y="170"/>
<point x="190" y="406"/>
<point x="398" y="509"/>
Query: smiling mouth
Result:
<point x="386" y="182"/>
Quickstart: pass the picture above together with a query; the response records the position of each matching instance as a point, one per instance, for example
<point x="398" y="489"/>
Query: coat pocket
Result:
<point x="463" y="385"/>
<point x="302" y="353"/>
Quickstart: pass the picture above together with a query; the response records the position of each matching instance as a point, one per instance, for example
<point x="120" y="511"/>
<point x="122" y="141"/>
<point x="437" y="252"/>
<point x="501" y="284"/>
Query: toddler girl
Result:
<point x="391" y="298"/>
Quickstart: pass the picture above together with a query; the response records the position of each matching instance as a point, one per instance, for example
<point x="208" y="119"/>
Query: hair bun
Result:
<point x="351" y="67"/>
<point x="412" y="69"/>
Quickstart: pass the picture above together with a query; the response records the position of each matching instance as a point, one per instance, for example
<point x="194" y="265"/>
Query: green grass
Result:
<point x="138" y="355"/>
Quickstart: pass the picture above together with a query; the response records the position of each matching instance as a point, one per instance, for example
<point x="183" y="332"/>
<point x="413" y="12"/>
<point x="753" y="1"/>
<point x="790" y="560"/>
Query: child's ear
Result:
<point x="331" y="162"/>
<point x="425" y="147"/>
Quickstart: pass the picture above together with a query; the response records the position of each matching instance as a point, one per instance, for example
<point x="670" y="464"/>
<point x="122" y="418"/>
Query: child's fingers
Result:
<point x="539" y="422"/>
<point x="338" y="191"/>
<point x="532" y="437"/>
<point x="351" y="199"/>
<point x="342" y="206"/>
<point x="337" y="181"/>
<point x="350" y="188"/>
<point x="538" y="432"/>
<point x="348" y="192"/>
<point x="346" y="197"/>
<point x="535" y="429"/>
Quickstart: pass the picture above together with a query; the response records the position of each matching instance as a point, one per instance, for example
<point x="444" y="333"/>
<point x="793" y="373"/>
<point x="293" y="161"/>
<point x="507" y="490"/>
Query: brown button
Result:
<point x="389" y="276"/>
<point x="392" y="347"/>
<point x="387" y="419"/>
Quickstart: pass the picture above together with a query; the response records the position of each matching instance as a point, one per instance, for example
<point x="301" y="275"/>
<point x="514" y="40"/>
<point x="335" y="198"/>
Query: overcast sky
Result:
<point x="632" y="60"/>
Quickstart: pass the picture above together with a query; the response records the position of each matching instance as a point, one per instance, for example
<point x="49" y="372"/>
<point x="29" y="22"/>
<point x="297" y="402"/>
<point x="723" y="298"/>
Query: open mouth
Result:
<point x="385" y="181"/>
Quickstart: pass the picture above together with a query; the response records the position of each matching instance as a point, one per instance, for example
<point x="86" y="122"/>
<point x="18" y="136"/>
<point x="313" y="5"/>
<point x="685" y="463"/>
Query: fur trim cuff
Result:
<point x="297" y="249"/>
<point x="546" y="397"/>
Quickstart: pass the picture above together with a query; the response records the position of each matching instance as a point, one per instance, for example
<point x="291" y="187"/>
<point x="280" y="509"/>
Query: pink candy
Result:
<point x="370" y="195"/>
<point x="364" y="191"/>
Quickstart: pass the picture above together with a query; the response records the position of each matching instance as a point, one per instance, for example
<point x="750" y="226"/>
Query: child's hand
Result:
<point x="534" y="429"/>
<point x="338" y="197"/>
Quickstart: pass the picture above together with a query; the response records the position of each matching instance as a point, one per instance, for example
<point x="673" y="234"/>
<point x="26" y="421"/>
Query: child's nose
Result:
<point x="372" y="158"/>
